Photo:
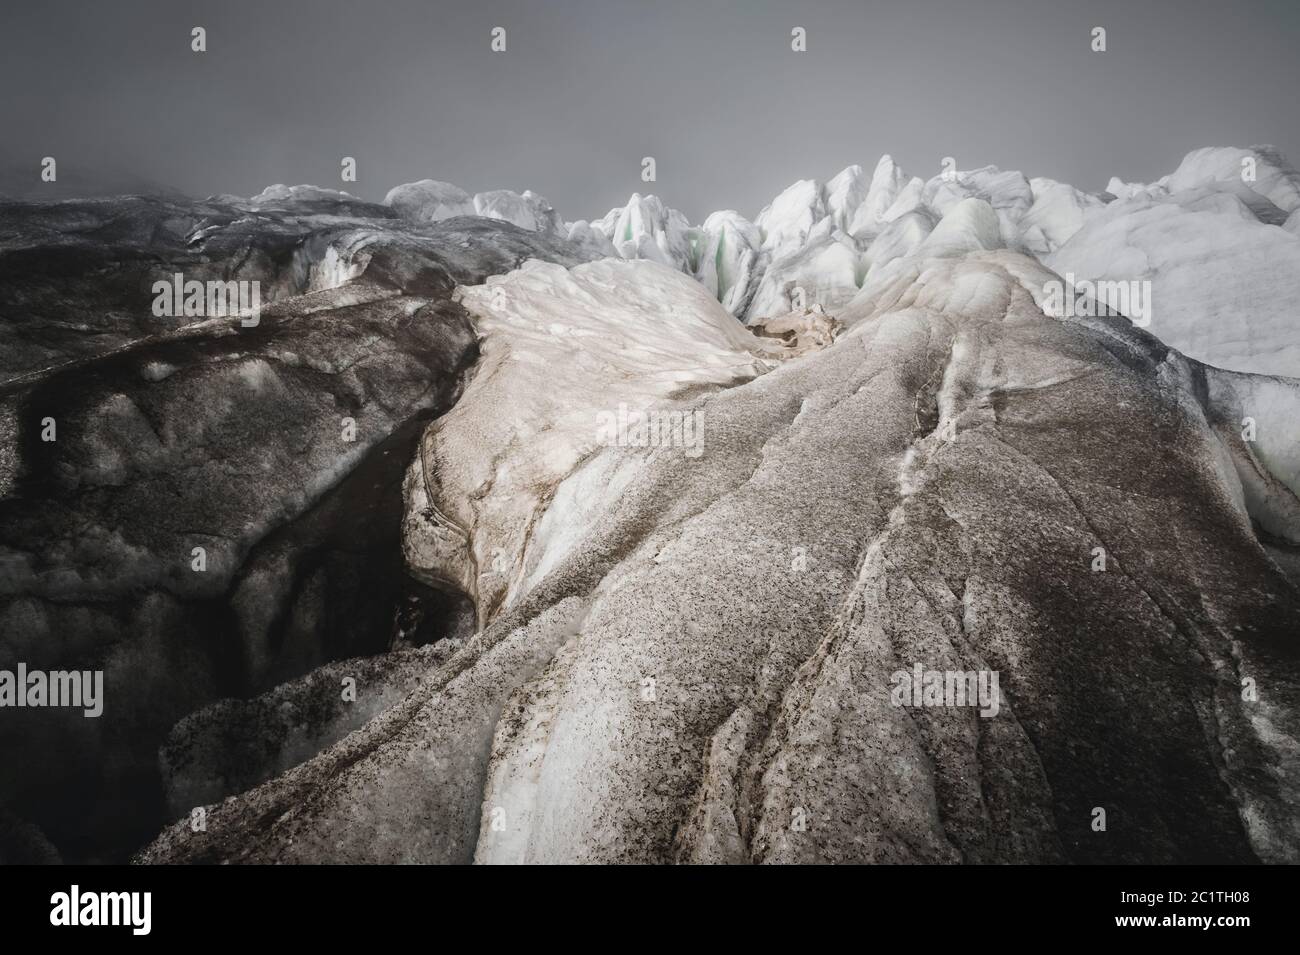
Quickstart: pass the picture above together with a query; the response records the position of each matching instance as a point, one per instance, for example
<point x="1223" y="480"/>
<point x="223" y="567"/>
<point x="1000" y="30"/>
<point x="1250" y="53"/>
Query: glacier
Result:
<point x="1212" y="238"/>
<point x="677" y="656"/>
<point x="636" y="518"/>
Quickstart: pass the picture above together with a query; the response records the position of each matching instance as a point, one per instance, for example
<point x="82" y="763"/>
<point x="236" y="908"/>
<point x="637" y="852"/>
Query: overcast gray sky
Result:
<point x="586" y="88"/>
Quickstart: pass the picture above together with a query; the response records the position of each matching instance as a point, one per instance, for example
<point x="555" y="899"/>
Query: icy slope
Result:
<point x="1222" y="276"/>
<point x="1260" y="169"/>
<point x="562" y="352"/>
<point x="1223" y="284"/>
<point x="691" y="657"/>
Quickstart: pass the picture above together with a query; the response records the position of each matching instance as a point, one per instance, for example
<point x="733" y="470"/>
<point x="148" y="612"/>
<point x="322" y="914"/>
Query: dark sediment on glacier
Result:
<point x="279" y="449"/>
<point x="947" y="468"/>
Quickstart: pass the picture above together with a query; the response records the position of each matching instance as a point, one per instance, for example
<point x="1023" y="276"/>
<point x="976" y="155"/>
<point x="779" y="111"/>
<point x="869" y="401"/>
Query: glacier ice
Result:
<point x="429" y="201"/>
<point x="789" y="219"/>
<point x="1223" y="284"/>
<point x="1008" y="194"/>
<point x="1261" y="168"/>
<point x="647" y="229"/>
<point x="1224" y="240"/>
<point x="527" y="210"/>
<point x="897" y="452"/>
<point x="1057" y="213"/>
<point x="533" y="321"/>
<point x="968" y="225"/>
<point x="729" y="252"/>
<point x="899" y="238"/>
<point x="825" y="270"/>
<point x="280" y="193"/>
<point x="845" y="194"/>
<point x="886" y="186"/>
<point x="1212" y="238"/>
<point x="655" y="679"/>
